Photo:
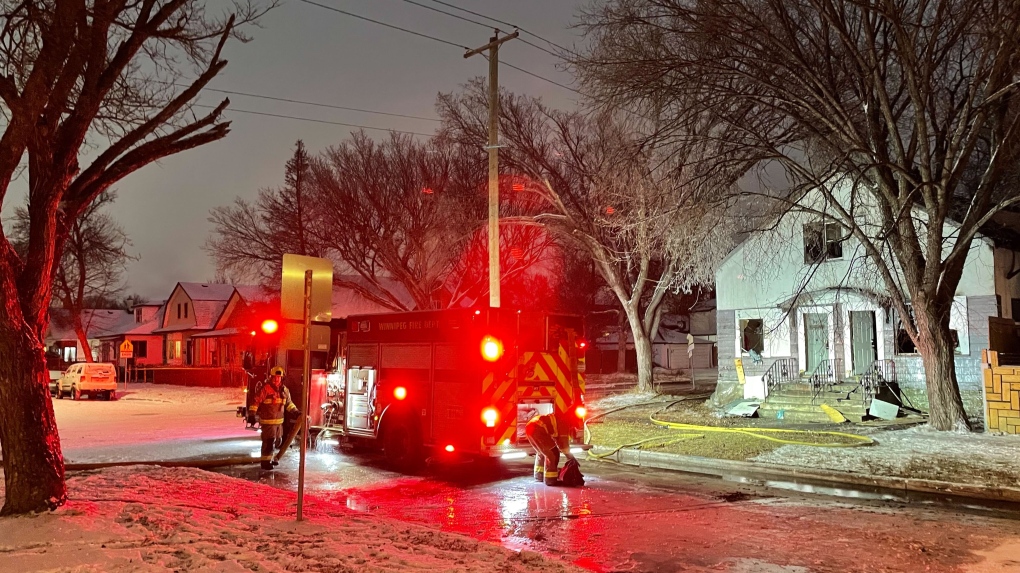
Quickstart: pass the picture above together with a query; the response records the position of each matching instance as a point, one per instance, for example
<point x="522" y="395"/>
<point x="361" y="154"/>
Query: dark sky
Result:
<point x="308" y="53"/>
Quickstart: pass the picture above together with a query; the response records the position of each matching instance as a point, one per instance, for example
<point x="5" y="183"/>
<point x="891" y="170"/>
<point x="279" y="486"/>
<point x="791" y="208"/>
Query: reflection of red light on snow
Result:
<point x="427" y="191"/>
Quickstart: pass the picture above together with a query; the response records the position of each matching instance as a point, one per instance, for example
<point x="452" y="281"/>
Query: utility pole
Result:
<point x="493" y="147"/>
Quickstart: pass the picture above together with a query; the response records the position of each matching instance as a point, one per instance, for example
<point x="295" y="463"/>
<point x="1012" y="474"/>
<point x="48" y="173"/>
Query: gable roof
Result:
<point x="98" y="323"/>
<point x="204" y="291"/>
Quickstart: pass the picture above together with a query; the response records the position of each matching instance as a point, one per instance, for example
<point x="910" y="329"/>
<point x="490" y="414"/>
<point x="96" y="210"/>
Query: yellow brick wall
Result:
<point x="1002" y="395"/>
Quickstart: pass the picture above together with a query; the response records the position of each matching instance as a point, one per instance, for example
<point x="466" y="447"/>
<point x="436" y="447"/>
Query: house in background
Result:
<point x="147" y="345"/>
<point x="802" y="301"/>
<point x="62" y="342"/>
<point x="672" y="349"/>
<point x="192" y="308"/>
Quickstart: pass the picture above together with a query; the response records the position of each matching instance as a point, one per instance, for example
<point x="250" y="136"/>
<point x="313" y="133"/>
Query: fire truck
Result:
<point x="454" y="382"/>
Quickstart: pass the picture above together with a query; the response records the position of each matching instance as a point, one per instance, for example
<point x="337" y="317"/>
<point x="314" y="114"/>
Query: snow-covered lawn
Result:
<point x="154" y="422"/>
<point x="145" y="518"/>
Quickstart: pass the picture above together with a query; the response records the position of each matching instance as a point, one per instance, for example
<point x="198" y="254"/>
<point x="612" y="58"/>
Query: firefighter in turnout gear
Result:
<point x="273" y="403"/>
<point x="549" y="434"/>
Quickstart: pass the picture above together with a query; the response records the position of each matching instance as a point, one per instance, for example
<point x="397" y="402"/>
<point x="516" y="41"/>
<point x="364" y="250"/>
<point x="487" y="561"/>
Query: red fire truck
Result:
<point x="461" y="381"/>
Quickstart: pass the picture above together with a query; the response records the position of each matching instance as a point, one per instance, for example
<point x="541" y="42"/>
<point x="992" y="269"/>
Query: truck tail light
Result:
<point x="490" y="416"/>
<point x="400" y="392"/>
<point x="492" y="348"/>
<point x="581" y="412"/>
<point x="449" y="448"/>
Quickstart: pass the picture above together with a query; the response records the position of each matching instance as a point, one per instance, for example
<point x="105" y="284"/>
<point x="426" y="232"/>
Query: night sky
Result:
<point x="308" y="53"/>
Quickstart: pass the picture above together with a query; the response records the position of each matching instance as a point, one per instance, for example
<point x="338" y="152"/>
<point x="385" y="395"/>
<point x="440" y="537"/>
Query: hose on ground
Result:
<point x="695" y="431"/>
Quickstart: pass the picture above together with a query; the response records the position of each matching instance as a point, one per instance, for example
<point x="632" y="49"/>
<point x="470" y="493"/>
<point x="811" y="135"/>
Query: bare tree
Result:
<point x="250" y="239"/>
<point x="401" y="219"/>
<point x="91" y="269"/>
<point x="122" y="77"/>
<point x="642" y="220"/>
<point x="910" y="108"/>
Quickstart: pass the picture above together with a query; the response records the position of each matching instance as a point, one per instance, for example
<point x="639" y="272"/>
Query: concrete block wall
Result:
<point x="1002" y="396"/>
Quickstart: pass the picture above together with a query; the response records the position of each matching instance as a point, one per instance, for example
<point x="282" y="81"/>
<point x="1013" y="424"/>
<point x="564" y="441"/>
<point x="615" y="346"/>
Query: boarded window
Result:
<point x="752" y="335"/>
<point x="904" y="345"/>
<point x="823" y="241"/>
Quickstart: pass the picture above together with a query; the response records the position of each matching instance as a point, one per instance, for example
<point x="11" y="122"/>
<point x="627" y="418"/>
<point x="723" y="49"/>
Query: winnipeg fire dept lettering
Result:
<point x="409" y="325"/>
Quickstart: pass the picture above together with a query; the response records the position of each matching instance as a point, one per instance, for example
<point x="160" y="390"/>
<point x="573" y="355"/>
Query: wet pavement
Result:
<point x="626" y="519"/>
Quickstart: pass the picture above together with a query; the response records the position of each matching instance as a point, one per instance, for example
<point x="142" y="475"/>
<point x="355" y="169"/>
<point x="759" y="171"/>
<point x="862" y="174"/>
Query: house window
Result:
<point x="904" y="345"/>
<point x="170" y="350"/>
<point x="178" y="310"/>
<point x="185" y="310"/>
<point x="1015" y="306"/>
<point x="141" y="348"/>
<point x="138" y="315"/>
<point x="823" y="241"/>
<point x="752" y="335"/>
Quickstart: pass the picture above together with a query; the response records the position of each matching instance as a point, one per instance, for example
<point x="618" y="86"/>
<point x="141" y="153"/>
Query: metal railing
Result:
<point x="781" y="371"/>
<point x="880" y="372"/>
<point x="826" y="374"/>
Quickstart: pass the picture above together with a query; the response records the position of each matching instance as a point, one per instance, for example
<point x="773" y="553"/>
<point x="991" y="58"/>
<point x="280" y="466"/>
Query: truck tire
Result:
<point x="402" y="445"/>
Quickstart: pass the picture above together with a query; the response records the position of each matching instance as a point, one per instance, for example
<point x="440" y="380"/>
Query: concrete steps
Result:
<point x="797" y="403"/>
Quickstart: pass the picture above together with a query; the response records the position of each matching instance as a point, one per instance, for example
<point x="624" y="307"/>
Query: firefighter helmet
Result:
<point x="276" y="371"/>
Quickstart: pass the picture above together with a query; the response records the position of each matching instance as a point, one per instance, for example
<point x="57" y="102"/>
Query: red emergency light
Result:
<point x="400" y="392"/>
<point x="449" y="448"/>
<point x="490" y="416"/>
<point x="582" y="343"/>
<point x="270" y="326"/>
<point x="581" y="412"/>
<point x="492" y="348"/>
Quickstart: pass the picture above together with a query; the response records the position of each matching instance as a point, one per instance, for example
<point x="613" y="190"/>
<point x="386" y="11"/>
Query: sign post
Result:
<point x="306" y="295"/>
<point x="127" y="350"/>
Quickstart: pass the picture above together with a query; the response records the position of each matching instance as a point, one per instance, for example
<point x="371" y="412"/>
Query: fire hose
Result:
<point x="695" y="431"/>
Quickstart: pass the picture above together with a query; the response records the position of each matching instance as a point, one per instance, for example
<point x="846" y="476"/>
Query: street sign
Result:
<point x="127" y="350"/>
<point x="306" y="294"/>
<point x="292" y="293"/>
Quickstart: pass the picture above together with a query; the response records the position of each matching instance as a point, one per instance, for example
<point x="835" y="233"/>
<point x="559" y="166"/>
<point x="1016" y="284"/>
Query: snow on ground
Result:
<point x="919" y="452"/>
<point x="145" y="518"/>
<point x="154" y="422"/>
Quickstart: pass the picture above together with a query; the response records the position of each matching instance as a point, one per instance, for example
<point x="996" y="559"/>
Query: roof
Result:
<point x="220" y="332"/>
<point x="206" y="313"/>
<point x="98" y="323"/>
<point x="203" y="291"/>
<point x="255" y="293"/>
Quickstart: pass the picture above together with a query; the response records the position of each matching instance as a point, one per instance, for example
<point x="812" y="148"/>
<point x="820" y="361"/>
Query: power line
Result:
<point x="444" y="12"/>
<point x="505" y="23"/>
<point x="229" y="109"/>
<point x="353" y="15"/>
<point x="326" y="105"/>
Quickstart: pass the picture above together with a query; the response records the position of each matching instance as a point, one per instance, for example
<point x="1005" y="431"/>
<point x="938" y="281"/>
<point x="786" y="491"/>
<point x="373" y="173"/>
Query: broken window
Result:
<point x="752" y="335"/>
<point x="823" y="241"/>
<point x="904" y="345"/>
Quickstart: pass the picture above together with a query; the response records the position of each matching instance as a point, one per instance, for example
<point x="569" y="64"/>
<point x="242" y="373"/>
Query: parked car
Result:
<point x="91" y="379"/>
<point x="55" y="381"/>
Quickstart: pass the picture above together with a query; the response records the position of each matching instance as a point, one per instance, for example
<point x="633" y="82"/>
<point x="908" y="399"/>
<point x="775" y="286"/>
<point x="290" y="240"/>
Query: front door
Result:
<point x="816" y="339"/>
<point x="862" y="339"/>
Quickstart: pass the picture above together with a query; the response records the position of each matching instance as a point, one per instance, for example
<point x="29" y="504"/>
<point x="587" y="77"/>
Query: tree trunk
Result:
<point x="83" y="339"/>
<point x="33" y="462"/>
<point x="643" y="350"/>
<point x="621" y="342"/>
<point x="935" y="345"/>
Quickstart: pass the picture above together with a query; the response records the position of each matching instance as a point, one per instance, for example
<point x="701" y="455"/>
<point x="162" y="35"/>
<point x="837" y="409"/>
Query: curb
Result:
<point x="717" y="467"/>
<point x="200" y="464"/>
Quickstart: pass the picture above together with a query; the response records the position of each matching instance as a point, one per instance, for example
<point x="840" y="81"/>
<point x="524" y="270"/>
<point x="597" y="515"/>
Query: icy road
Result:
<point x="623" y="520"/>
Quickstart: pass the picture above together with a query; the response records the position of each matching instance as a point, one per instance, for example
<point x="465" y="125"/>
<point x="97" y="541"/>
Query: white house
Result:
<point x="800" y="293"/>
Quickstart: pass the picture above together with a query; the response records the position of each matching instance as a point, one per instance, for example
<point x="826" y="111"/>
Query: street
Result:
<point x="624" y="519"/>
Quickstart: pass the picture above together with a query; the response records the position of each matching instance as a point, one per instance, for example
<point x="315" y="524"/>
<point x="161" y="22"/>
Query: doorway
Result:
<point x="816" y="339"/>
<point x="863" y="342"/>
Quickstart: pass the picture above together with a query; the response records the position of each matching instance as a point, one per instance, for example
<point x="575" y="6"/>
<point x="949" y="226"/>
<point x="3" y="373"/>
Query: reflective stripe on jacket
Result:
<point x="550" y="423"/>
<point x="271" y="403"/>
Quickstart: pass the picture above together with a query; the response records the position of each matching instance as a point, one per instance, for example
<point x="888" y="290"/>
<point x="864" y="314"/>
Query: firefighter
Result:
<point x="549" y="434"/>
<point x="273" y="401"/>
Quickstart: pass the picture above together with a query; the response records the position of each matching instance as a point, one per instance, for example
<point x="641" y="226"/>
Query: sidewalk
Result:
<point x="912" y="458"/>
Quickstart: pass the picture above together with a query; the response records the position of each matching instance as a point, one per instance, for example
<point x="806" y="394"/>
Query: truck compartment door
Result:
<point x="360" y="396"/>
